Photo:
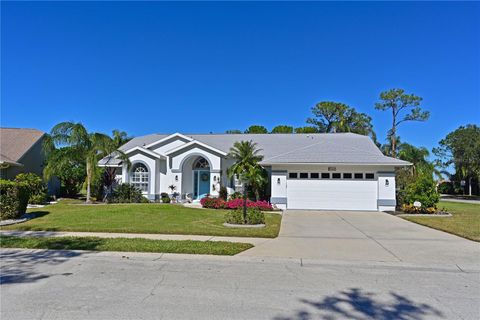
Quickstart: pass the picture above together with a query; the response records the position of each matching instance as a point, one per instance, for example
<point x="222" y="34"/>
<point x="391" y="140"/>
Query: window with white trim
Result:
<point x="139" y="177"/>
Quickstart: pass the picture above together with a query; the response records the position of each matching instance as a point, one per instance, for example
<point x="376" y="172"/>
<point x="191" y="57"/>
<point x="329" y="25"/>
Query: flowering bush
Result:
<point x="408" y="208"/>
<point x="213" y="203"/>
<point x="219" y="203"/>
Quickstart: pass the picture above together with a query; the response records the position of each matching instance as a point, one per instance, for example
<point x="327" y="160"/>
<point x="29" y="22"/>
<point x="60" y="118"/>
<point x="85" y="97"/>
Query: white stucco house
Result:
<point x="335" y="171"/>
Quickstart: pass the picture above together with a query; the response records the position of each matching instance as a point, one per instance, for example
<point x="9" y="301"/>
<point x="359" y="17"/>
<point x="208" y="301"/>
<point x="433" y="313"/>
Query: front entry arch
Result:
<point x="201" y="178"/>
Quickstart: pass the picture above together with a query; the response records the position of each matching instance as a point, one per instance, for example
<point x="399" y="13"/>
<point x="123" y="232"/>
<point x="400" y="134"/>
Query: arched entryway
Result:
<point x="196" y="177"/>
<point x="201" y="178"/>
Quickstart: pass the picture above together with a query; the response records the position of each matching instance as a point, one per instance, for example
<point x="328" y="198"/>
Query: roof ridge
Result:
<point x="33" y="129"/>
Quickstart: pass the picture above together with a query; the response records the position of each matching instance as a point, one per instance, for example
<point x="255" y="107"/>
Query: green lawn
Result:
<point x="465" y="221"/>
<point x="68" y="215"/>
<point x="124" y="244"/>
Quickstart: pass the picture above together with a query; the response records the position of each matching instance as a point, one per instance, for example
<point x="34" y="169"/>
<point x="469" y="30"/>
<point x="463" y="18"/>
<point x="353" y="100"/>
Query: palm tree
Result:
<point x="257" y="178"/>
<point x="91" y="146"/>
<point x="246" y="168"/>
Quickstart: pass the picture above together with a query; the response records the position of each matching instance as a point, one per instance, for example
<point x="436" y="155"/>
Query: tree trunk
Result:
<point x="89" y="180"/>
<point x="393" y="137"/>
<point x="245" y="203"/>
<point x="470" y="186"/>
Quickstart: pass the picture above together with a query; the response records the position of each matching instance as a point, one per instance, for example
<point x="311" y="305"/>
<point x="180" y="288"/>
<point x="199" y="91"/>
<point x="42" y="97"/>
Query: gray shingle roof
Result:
<point x="15" y="142"/>
<point x="294" y="148"/>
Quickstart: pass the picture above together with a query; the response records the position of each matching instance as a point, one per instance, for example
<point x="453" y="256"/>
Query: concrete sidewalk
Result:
<point x="254" y="241"/>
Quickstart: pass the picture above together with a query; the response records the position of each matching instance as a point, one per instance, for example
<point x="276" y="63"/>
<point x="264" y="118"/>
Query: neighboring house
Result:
<point x="21" y="151"/>
<point x="335" y="171"/>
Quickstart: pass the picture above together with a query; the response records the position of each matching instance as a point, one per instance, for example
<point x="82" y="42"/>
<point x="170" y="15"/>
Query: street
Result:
<point x="84" y="285"/>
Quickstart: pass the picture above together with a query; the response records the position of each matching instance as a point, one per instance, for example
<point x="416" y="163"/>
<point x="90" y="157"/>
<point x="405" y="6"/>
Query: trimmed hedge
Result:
<point x="13" y="199"/>
<point x="254" y="216"/>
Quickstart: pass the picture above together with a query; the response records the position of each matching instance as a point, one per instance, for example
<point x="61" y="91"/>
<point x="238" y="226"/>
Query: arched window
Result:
<point x="139" y="177"/>
<point x="201" y="163"/>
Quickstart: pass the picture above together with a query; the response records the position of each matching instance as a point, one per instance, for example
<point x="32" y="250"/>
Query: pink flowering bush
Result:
<point x="218" y="203"/>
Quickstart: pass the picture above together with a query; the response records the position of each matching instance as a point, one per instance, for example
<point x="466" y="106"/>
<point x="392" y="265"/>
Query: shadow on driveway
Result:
<point x="357" y="304"/>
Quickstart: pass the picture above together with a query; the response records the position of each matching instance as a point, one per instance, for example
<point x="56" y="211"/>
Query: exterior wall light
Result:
<point x="176" y="178"/>
<point x="214" y="178"/>
<point x="386" y="182"/>
<point x="278" y="180"/>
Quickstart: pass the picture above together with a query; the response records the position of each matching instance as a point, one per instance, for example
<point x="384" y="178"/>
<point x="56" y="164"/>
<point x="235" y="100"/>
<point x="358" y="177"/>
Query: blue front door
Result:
<point x="201" y="183"/>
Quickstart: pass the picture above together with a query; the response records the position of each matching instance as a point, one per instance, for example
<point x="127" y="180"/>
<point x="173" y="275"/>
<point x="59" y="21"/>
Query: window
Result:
<point x="292" y="175"/>
<point x="347" y="176"/>
<point x="369" y="176"/>
<point x="201" y="163"/>
<point x="139" y="177"/>
<point x="336" y="175"/>
<point x="304" y="175"/>
<point x="358" y="175"/>
<point x="314" y="175"/>
<point x="325" y="175"/>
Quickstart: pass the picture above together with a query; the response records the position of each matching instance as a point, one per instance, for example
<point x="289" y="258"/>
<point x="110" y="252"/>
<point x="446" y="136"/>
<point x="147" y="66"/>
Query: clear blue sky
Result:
<point x="208" y="67"/>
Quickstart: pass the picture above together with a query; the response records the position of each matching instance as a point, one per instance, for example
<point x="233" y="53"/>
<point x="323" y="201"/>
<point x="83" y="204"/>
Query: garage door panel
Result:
<point x="332" y="194"/>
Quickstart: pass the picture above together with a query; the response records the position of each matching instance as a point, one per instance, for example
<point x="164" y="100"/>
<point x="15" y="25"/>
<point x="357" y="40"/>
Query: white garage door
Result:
<point x="332" y="194"/>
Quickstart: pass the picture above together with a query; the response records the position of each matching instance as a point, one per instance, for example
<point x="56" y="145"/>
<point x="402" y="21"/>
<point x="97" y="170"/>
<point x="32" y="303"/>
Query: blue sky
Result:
<point x="208" y="67"/>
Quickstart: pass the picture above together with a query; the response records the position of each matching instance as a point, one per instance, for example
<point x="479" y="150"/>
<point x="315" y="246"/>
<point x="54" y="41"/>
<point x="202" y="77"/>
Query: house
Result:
<point x="335" y="171"/>
<point x="21" y="152"/>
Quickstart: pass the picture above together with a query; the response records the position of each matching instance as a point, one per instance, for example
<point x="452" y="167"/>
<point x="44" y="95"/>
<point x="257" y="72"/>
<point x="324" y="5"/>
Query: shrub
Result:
<point x="223" y="193"/>
<point x="213" y="203"/>
<point x="163" y="195"/>
<point x="35" y="185"/>
<point x="218" y="203"/>
<point x="13" y="199"/>
<point x="407" y="208"/>
<point x="254" y="216"/>
<point x="166" y="200"/>
<point x="423" y="190"/>
<point x="127" y="193"/>
<point x="446" y="188"/>
<point x="236" y="195"/>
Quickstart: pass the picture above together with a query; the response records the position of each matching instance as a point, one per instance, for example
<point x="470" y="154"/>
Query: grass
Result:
<point x="465" y="220"/>
<point x="70" y="215"/>
<point x="124" y="244"/>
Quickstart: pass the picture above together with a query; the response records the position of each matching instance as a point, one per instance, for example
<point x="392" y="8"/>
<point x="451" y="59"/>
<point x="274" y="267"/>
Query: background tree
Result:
<point x="107" y="178"/>
<point x="282" y="129"/>
<point x="461" y="149"/>
<point x="399" y="103"/>
<point x="68" y="166"/>
<point x="246" y="167"/>
<point x="332" y="116"/>
<point x="256" y="129"/>
<point x="418" y="156"/>
<point x="306" y="129"/>
<point x="90" y="146"/>
<point x="416" y="183"/>
<point x="234" y="131"/>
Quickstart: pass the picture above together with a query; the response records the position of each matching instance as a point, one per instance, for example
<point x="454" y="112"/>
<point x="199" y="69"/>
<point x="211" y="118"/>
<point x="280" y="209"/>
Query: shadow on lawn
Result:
<point x="356" y="304"/>
<point x="22" y="267"/>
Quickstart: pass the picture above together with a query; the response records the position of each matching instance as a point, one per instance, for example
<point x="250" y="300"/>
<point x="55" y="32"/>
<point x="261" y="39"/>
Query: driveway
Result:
<point x="368" y="237"/>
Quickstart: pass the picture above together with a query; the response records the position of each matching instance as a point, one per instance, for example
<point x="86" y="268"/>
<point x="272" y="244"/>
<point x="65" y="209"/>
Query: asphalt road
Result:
<point x="79" y="285"/>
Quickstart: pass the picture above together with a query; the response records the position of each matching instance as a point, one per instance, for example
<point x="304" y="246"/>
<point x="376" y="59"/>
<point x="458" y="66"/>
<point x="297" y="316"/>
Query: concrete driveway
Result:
<point x="367" y="237"/>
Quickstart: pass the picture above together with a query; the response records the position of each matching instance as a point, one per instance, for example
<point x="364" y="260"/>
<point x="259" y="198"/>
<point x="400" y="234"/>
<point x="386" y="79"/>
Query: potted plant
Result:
<point x="172" y="187"/>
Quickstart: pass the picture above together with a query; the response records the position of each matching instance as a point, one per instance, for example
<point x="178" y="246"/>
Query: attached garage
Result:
<point x="332" y="194"/>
